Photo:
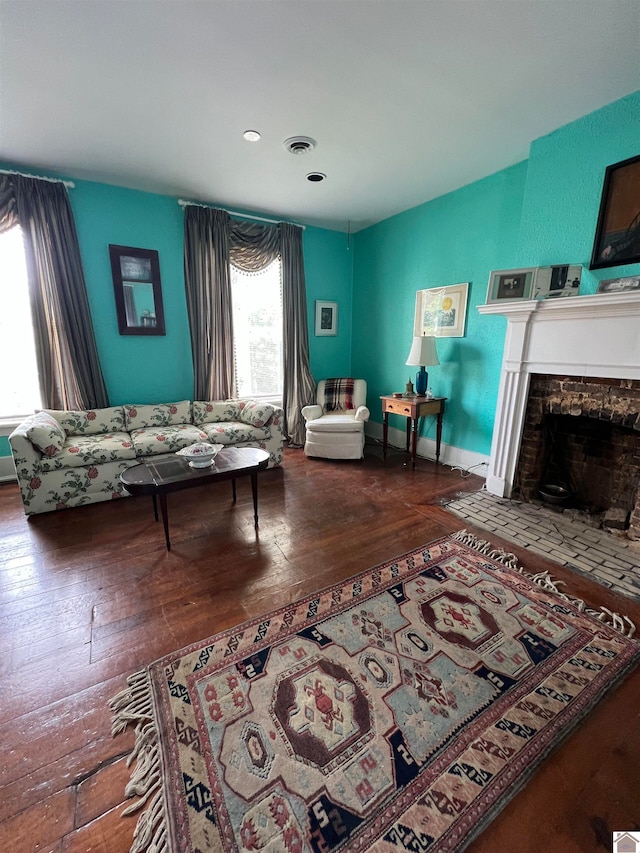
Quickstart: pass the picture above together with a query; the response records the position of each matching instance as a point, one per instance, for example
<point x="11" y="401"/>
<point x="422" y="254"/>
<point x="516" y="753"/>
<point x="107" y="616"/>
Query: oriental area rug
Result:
<point x="398" y="710"/>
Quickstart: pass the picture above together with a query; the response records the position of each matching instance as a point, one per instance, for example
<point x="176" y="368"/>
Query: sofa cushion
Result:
<point x="165" y="439"/>
<point x="215" y="411"/>
<point x="164" y="414"/>
<point x="235" y="432"/>
<point x="82" y="450"/>
<point x="91" y="422"/>
<point x="255" y="413"/>
<point x="46" y="434"/>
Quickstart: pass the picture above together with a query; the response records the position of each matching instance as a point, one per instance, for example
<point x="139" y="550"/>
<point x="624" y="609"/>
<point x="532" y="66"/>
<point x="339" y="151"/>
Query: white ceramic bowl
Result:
<point x="200" y="455"/>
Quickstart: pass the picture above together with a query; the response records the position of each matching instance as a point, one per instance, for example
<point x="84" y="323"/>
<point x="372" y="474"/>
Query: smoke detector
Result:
<point x="299" y="144"/>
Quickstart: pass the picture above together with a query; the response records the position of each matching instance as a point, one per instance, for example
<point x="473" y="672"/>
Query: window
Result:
<point x="257" y="331"/>
<point x="19" y="387"/>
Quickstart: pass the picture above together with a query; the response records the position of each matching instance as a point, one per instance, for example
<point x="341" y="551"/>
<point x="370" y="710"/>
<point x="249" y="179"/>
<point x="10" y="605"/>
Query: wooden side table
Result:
<point x="412" y="408"/>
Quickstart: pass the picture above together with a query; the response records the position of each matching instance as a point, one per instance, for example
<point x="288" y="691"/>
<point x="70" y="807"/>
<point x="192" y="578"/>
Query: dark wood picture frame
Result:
<point x="137" y="290"/>
<point x="617" y="239"/>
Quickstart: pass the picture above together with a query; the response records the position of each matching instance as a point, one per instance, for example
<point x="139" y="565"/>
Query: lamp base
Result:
<point x="422" y="378"/>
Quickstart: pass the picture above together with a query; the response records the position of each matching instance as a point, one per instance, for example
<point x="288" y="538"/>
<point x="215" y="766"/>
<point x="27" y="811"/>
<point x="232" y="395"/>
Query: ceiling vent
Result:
<point x="299" y="144"/>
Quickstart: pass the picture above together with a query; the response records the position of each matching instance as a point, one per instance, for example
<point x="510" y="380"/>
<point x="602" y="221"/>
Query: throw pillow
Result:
<point x="256" y="414"/>
<point x="45" y="433"/>
<point x="90" y="422"/>
<point x="215" y="411"/>
<point x="163" y="414"/>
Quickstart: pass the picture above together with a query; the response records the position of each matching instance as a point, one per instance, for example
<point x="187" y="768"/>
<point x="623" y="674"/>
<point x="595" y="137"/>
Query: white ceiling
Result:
<point x="407" y="100"/>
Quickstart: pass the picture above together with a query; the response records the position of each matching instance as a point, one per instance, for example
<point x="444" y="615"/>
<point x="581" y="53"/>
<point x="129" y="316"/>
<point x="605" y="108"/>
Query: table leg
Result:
<point x="155" y="505"/>
<point x="385" y="433"/>
<point x="414" y="441"/>
<point x="408" y="434"/>
<point x="233" y="487"/>
<point x="254" y="489"/>
<point x="165" y="518"/>
<point x="438" y="436"/>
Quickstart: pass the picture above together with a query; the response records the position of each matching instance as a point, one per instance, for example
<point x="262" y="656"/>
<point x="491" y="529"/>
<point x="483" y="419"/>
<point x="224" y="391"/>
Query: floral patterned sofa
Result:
<point x="66" y="459"/>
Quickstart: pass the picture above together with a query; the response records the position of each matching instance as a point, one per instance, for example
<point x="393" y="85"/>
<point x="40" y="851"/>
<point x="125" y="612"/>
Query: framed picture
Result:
<point x="326" y="318"/>
<point x="619" y="285"/>
<point x="136" y="286"/>
<point x="510" y="285"/>
<point x="618" y="231"/>
<point x="556" y="282"/>
<point x="441" y="312"/>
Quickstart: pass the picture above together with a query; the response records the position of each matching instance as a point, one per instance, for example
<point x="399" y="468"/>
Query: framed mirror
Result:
<point x="136" y="285"/>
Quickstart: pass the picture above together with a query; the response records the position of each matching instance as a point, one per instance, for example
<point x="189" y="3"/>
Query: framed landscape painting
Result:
<point x="617" y="238"/>
<point x="441" y="311"/>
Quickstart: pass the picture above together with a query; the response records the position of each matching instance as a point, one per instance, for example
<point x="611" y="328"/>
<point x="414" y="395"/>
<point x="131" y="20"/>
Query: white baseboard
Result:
<point x="7" y="469"/>
<point x="456" y="457"/>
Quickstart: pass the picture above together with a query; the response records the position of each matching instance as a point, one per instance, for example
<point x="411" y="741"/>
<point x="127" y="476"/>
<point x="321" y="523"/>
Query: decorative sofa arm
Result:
<point x="310" y="413"/>
<point x="362" y="413"/>
<point x="26" y="457"/>
<point x="25" y="454"/>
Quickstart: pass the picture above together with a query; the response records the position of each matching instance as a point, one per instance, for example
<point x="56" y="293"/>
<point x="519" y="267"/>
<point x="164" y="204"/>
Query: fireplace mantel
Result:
<point x="596" y="335"/>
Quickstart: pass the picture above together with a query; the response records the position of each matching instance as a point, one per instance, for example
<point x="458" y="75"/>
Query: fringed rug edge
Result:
<point x="135" y="706"/>
<point x="617" y="621"/>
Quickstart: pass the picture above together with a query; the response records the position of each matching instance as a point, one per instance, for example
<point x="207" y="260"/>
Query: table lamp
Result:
<point x="423" y="353"/>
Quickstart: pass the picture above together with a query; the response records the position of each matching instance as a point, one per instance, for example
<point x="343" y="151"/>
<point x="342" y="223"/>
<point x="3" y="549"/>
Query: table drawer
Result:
<point x="400" y="407"/>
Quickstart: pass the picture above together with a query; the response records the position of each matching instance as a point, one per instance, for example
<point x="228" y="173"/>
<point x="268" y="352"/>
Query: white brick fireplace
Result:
<point x="595" y="336"/>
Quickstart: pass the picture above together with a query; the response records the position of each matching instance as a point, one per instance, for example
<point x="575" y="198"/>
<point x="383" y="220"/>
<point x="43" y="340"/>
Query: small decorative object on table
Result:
<point x="200" y="455"/>
<point x="408" y="391"/>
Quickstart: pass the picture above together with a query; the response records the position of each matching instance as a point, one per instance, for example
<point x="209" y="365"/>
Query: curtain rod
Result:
<point x="69" y="184"/>
<point x="183" y="203"/>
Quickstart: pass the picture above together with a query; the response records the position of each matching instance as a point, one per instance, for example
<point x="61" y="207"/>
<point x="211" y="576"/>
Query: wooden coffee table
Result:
<point x="157" y="476"/>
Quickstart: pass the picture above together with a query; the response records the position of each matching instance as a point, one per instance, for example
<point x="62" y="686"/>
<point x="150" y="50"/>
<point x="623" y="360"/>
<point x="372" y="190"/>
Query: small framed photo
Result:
<point x="326" y="318"/>
<point x="557" y="281"/>
<point x="510" y="285"/>
<point x="619" y="285"/>
<point x="441" y="311"/>
<point x="617" y="239"/>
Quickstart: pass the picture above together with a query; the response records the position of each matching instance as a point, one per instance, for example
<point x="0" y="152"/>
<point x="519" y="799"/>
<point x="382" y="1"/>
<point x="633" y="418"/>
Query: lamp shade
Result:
<point x="423" y="352"/>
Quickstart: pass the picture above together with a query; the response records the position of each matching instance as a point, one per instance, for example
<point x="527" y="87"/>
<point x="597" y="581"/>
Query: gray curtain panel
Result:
<point x="299" y="385"/>
<point x="67" y="355"/>
<point x="208" y="289"/>
<point x="211" y="242"/>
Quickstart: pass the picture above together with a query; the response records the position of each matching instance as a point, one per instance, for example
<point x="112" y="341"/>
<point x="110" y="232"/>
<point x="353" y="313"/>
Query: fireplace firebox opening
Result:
<point x="580" y="449"/>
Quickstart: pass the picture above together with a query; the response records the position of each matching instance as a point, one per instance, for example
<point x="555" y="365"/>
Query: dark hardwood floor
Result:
<point x="91" y="595"/>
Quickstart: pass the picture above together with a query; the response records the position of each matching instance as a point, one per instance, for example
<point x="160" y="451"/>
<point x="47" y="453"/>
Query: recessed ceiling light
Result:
<point x="251" y="135"/>
<point x="316" y="177"/>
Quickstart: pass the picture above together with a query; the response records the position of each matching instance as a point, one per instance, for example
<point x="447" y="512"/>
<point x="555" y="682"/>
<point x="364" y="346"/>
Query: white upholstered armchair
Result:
<point x="335" y="424"/>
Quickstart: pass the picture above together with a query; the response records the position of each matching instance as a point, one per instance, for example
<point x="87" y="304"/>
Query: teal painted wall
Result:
<point x="564" y="188"/>
<point x="137" y="369"/>
<point x="455" y="238"/>
<point x="140" y="369"/>
<point x="328" y="266"/>
<point x="543" y="211"/>
<point x="152" y="369"/>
